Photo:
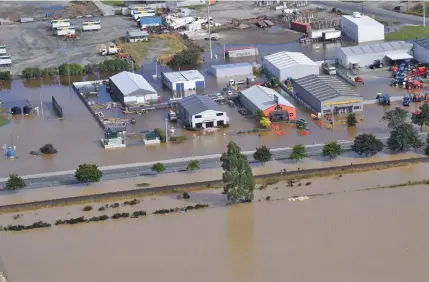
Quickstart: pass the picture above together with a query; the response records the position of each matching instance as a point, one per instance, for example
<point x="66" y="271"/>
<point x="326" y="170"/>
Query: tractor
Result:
<point x="376" y="65"/>
<point x="301" y="124"/>
<point x="359" y="79"/>
<point x="406" y="101"/>
<point x="383" y="99"/>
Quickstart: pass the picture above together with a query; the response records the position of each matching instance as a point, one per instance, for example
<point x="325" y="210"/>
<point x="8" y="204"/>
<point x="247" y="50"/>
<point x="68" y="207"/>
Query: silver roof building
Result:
<point x="180" y="76"/>
<point x="421" y="50"/>
<point x="137" y="33"/>
<point x="131" y="84"/>
<point x="196" y="104"/>
<point x="264" y="98"/>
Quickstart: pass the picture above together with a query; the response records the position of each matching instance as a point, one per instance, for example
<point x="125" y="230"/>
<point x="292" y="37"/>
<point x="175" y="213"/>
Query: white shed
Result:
<point x="181" y="81"/>
<point x="232" y="70"/>
<point x="364" y="55"/>
<point x="421" y="50"/>
<point x="362" y="28"/>
<point x="289" y="64"/>
<point x="132" y="88"/>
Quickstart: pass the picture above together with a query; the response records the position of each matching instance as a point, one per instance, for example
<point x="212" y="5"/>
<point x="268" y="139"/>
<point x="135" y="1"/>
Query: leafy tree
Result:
<point x="265" y="122"/>
<point x="421" y="117"/>
<point x="260" y="114"/>
<point x="262" y="154"/>
<point x="15" y="182"/>
<point x="332" y="150"/>
<point x="395" y="117"/>
<point x="298" y="153"/>
<point x="351" y="120"/>
<point x="5" y="75"/>
<point x="190" y="56"/>
<point x="193" y="165"/>
<point x="158" y="167"/>
<point x="48" y="149"/>
<point x="237" y="176"/>
<point x="88" y="173"/>
<point x="368" y="144"/>
<point x="403" y="138"/>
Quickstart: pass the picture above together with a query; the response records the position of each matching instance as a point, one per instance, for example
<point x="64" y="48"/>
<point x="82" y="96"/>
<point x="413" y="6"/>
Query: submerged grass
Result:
<point x="408" y="33"/>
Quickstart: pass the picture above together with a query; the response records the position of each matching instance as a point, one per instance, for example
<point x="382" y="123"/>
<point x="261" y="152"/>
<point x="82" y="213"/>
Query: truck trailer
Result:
<point x="5" y="60"/>
<point x="150" y="21"/>
<point x="2" y="49"/>
<point x="91" y="26"/>
<point x="61" y="31"/>
<point x="332" y="35"/>
<point x="144" y="14"/>
<point x="137" y="10"/>
<point x="60" y="23"/>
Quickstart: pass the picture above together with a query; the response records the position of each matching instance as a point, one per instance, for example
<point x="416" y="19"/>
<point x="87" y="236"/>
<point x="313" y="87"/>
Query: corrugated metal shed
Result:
<point x="288" y="59"/>
<point x="196" y="104"/>
<point x="180" y="76"/>
<point x="376" y="48"/>
<point x="230" y="70"/>
<point x="424" y="42"/>
<point x="325" y="88"/>
<point x="131" y="84"/>
<point x="263" y="97"/>
<point x="137" y="33"/>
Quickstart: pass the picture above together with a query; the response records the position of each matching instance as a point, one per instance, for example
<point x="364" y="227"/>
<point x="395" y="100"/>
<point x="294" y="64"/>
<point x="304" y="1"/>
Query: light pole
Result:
<point x="424" y="13"/>
<point x="210" y="35"/>
<point x="166" y="130"/>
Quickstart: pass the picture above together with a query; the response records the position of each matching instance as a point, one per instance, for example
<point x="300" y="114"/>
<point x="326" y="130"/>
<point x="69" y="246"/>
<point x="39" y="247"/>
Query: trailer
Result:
<point x="91" y="26"/>
<point x="301" y="27"/>
<point x="5" y="60"/>
<point x="61" y="31"/>
<point x="241" y="52"/>
<point x="60" y="23"/>
<point x="144" y="14"/>
<point x="332" y="35"/>
<point x="318" y="33"/>
<point x="2" y="49"/>
<point x="137" y="10"/>
<point x="150" y="21"/>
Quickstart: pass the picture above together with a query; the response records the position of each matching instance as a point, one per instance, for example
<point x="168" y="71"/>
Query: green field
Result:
<point x="3" y="121"/>
<point x="113" y="2"/>
<point x="408" y="33"/>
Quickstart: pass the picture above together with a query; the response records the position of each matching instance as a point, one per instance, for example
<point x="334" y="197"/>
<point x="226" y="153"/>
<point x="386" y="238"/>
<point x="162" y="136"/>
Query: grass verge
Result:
<point x="3" y="121"/>
<point x="143" y="184"/>
<point x="113" y="2"/>
<point x="408" y="33"/>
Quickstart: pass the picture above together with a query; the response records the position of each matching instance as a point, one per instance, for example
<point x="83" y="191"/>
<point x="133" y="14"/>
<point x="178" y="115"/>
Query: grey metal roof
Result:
<point x="376" y="48"/>
<point x="179" y="76"/>
<point x="263" y="97"/>
<point x="424" y="42"/>
<point x="282" y="60"/>
<point x="234" y="65"/>
<point x="196" y="104"/>
<point x="326" y="87"/>
<point x="131" y="83"/>
<point x="137" y="33"/>
<point x="362" y="20"/>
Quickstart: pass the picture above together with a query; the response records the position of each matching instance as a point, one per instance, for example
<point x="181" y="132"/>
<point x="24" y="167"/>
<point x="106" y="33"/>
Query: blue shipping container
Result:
<point x="150" y="21"/>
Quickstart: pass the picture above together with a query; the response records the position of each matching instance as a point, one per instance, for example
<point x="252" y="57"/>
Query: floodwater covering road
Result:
<point x="347" y="236"/>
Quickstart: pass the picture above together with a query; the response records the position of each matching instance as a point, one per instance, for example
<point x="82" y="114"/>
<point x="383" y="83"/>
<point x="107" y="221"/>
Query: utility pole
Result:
<point x="424" y="13"/>
<point x="166" y="130"/>
<point x="68" y="70"/>
<point x="362" y="8"/>
<point x="210" y="35"/>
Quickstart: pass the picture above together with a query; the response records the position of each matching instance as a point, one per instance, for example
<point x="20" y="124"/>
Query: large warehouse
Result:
<point x="131" y="88"/>
<point x="283" y="65"/>
<point x="322" y="94"/>
<point x="362" y="28"/>
<point x="201" y="112"/>
<point x="232" y="70"/>
<point x="267" y="100"/>
<point x="182" y="81"/>
<point x="421" y="50"/>
<point x="364" y="55"/>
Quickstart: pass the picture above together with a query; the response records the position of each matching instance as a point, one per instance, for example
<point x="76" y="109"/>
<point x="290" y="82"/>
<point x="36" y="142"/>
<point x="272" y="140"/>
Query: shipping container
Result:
<point x="150" y="21"/>
<point x="134" y="11"/>
<point x="27" y="20"/>
<point x="92" y="25"/>
<point x="5" y="60"/>
<point x="60" y="23"/>
<point x="329" y="35"/>
<point x="2" y="49"/>
<point x="143" y="15"/>
<point x="241" y="52"/>
<point x="318" y="33"/>
<point x="65" y="31"/>
<point x="301" y="27"/>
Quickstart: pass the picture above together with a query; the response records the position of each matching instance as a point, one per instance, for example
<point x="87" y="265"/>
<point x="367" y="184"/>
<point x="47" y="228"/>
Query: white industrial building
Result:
<point x="360" y="56"/>
<point x="362" y="28"/>
<point x="131" y="88"/>
<point x="421" y="50"/>
<point x="232" y="70"/>
<point x="137" y="35"/>
<point x="182" y="81"/>
<point x="201" y="112"/>
<point x="283" y="65"/>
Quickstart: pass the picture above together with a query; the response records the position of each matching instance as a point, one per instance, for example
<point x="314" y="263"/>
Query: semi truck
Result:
<point x="62" y="31"/>
<point x="109" y="49"/>
<point x="2" y="49"/>
<point x="60" y="23"/>
<point x="91" y="26"/>
<point x="5" y="60"/>
<point x="329" y="69"/>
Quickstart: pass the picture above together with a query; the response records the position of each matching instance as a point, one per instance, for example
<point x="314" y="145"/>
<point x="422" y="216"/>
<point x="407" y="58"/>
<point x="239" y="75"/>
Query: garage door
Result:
<point x="180" y="87"/>
<point x="199" y="84"/>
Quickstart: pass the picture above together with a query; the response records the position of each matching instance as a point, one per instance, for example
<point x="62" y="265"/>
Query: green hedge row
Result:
<point x="5" y="76"/>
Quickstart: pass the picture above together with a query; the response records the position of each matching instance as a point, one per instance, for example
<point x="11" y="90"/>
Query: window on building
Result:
<point x="219" y="114"/>
<point x="356" y="107"/>
<point x="291" y="114"/>
<point x="198" y="116"/>
<point x="278" y="107"/>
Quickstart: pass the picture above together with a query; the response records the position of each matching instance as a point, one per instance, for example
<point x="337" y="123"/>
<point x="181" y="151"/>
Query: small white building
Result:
<point x="360" y="56"/>
<point x="182" y="81"/>
<point x="201" y="112"/>
<point x="283" y="65"/>
<point x="137" y="36"/>
<point x="421" y="50"/>
<point x="362" y="28"/>
<point x="232" y="70"/>
<point x="131" y="88"/>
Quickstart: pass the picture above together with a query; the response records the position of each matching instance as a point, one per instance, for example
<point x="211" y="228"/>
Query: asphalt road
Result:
<point x="383" y="13"/>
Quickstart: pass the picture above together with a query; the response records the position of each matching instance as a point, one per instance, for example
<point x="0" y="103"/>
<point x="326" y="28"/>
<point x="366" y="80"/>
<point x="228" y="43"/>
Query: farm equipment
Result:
<point x="426" y="97"/>
<point x="416" y="98"/>
<point x="383" y="99"/>
<point x="417" y="84"/>
<point x="123" y="56"/>
<point x="71" y="37"/>
<point x="419" y="71"/>
<point x="406" y="101"/>
<point x="359" y="79"/>
<point x="398" y="82"/>
<point x="376" y="65"/>
<point x="301" y="124"/>
<point x="271" y="82"/>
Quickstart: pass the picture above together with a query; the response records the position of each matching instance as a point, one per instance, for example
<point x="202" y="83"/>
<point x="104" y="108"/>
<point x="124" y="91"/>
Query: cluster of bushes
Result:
<point x="181" y="138"/>
<point x="98" y="218"/>
<point x="48" y="149"/>
<point x="188" y="208"/>
<point x="139" y="213"/>
<point x="35" y="225"/>
<point x="76" y="220"/>
<point x="190" y="56"/>
<point x="5" y="76"/>
<point x="131" y="203"/>
<point x="76" y="69"/>
<point x="161" y="134"/>
<point x="120" y="215"/>
<point x="87" y="208"/>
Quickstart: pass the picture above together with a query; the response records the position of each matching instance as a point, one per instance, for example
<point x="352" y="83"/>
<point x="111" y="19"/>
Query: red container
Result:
<point x="301" y="27"/>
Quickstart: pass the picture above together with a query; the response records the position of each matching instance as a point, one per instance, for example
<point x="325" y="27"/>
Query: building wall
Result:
<point x="208" y="116"/>
<point x="247" y="104"/>
<point x="232" y="71"/>
<point x="295" y="72"/>
<point x="350" y="29"/>
<point x="362" y="33"/>
<point x="420" y="53"/>
<point x="187" y="85"/>
<point x="366" y="59"/>
<point x="355" y="104"/>
<point x="137" y="39"/>
<point x="307" y="98"/>
<point x="116" y="92"/>
<point x="290" y="110"/>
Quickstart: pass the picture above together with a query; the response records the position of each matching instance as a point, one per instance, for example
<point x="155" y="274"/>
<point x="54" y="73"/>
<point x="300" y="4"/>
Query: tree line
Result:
<point x="5" y="76"/>
<point x="77" y="69"/>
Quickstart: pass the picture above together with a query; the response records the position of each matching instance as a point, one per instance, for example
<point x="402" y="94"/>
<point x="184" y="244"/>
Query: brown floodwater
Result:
<point x="373" y="235"/>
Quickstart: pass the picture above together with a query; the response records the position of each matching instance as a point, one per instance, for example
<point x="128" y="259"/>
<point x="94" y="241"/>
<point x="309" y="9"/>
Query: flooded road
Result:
<point x="348" y="236"/>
